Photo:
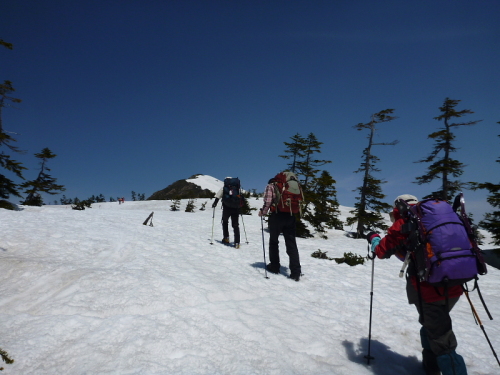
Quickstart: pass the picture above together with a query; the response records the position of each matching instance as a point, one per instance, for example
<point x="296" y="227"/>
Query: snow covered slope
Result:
<point x="97" y="292"/>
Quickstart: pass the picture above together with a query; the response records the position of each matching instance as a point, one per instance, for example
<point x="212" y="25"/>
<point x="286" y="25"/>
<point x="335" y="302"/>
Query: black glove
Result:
<point x="215" y="202"/>
<point x="370" y="236"/>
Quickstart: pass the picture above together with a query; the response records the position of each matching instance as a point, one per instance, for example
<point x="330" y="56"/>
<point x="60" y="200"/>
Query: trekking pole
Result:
<point x="263" y="245"/>
<point x="213" y="218"/>
<point x="372" y="257"/>
<point x="244" y="230"/>
<point x="481" y="325"/>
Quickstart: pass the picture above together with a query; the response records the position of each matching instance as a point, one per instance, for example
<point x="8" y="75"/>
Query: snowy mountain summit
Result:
<point x="196" y="186"/>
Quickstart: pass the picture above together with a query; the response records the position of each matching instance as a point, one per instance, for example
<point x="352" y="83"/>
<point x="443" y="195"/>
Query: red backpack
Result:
<point x="288" y="196"/>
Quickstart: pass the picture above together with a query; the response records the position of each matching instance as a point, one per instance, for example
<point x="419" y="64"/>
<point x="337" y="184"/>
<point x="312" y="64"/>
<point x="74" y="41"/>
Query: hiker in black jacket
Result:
<point x="228" y="212"/>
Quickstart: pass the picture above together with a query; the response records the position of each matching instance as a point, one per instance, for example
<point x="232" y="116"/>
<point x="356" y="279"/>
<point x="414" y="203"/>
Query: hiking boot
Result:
<point x="273" y="268"/>
<point x="225" y="241"/>
<point x="429" y="363"/>
<point x="236" y="245"/>
<point x="451" y="363"/>
<point x="295" y="276"/>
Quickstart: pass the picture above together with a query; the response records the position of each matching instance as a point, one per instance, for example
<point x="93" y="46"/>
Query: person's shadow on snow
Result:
<point x="385" y="361"/>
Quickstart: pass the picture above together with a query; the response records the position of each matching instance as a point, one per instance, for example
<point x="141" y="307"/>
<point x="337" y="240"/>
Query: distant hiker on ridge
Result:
<point x="232" y="201"/>
<point x="433" y="303"/>
<point x="283" y="197"/>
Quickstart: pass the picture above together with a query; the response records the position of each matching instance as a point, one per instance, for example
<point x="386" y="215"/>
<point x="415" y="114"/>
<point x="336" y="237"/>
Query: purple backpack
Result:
<point x="446" y="253"/>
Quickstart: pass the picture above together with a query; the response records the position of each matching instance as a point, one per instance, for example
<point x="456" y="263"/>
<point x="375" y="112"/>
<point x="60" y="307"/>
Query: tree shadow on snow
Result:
<point x="385" y="361"/>
<point x="283" y="270"/>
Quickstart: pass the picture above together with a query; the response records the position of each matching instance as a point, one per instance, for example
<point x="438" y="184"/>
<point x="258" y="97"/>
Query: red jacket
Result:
<point x="388" y="246"/>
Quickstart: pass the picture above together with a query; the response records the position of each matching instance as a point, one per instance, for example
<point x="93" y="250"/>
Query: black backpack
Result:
<point x="231" y="193"/>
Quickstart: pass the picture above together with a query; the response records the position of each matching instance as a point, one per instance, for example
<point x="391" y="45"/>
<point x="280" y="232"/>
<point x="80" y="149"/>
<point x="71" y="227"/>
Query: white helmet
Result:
<point x="410" y="199"/>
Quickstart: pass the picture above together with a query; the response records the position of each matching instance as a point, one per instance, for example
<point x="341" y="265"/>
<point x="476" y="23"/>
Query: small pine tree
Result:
<point x="445" y="167"/>
<point x="190" y="205"/>
<point x="491" y="221"/>
<point x="301" y="151"/>
<point x="65" y="200"/>
<point x="176" y="204"/>
<point x="295" y="150"/>
<point x="43" y="183"/>
<point x="308" y="166"/>
<point x="322" y="195"/>
<point x="81" y="205"/>
<point x="7" y="186"/>
<point x="367" y="209"/>
<point x="246" y="209"/>
<point x="6" y="358"/>
<point x="301" y="229"/>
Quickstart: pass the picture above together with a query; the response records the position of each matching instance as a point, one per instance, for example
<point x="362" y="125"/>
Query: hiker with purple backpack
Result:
<point x="433" y="303"/>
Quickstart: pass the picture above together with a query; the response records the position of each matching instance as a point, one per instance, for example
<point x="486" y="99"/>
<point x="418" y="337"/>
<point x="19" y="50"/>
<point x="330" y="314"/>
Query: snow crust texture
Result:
<point x="98" y="292"/>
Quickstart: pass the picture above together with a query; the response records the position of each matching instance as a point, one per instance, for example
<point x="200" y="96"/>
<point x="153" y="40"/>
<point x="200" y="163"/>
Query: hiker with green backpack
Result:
<point x="282" y="198"/>
<point x="433" y="303"/>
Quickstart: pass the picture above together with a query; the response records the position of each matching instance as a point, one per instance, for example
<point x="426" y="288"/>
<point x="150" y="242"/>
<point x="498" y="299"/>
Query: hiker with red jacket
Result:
<point x="436" y="334"/>
<point x="280" y="222"/>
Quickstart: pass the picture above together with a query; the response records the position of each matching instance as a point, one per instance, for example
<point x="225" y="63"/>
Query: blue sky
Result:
<point x="134" y="95"/>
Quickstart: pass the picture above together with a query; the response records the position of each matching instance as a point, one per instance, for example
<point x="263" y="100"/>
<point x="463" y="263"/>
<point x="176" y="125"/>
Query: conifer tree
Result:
<point x="301" y="229"/>
<point x="245" y="209"/>
<point x="304" y="164"/>
<point x="5" y="357"/>
<point x="176" y="204"/>
<point x="65" y="200"/>
<point x="323" y="194"/>
<point x="445" y="167"/>
<point x="295" y="150"/>
<point x="491" y="221"/>
<point x="367" y="209"/>
<point x="307" y="166"/>
<point x="81" y="205"/>
<point x="44" y="183"/>
<point x="190" y="205"/>
<point x="7" y="186"/>
<point x="6" y="44"/>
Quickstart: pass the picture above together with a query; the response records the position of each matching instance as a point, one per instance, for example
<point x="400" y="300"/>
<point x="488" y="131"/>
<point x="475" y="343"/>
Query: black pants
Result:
<point x="436" y="333"/>
<point x="283" y="223"/>
<point x="234" y="214"/>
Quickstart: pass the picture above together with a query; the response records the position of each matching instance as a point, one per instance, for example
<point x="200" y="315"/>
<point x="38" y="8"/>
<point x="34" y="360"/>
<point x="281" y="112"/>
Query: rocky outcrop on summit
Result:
<point x="181" y="190"/>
